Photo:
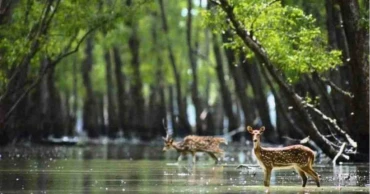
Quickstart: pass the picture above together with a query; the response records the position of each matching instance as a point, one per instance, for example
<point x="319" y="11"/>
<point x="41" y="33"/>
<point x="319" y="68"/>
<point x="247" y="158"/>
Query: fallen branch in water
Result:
<point x="336" y="88"/>
<point x="235" y="131"/>
<point x="340" y="152"/>
<point x="333" y="123"/>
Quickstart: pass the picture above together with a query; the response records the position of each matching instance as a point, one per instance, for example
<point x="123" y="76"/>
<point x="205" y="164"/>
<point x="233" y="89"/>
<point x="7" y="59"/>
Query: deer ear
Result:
<point x="262" y="129"/>
<point x="250" y="129"/>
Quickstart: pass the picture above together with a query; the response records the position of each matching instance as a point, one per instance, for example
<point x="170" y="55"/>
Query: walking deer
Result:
<point x="297" y="156"/>
<point x="192" y="144"/>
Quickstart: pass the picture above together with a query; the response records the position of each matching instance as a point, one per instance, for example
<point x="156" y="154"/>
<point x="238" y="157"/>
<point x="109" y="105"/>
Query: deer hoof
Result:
<point x="267" y="189"/>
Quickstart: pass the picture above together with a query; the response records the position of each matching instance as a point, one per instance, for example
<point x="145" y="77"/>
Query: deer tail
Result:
<point x="311" y="159"/>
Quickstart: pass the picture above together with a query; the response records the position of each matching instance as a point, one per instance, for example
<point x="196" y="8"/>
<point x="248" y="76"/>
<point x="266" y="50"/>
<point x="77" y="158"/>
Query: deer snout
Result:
<point x="254" y="140"/>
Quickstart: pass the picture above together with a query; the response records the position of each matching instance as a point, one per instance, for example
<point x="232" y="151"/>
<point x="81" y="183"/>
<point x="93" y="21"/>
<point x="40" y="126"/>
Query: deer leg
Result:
<point x="213" y="156"/>
<point x="180" y="157"/>
<point x="267" y="177"/>
<point x="313" y="174"/>
<point x="316" y="177"/>
<point x="194" y="159"/>
<point x="303" y="176"/>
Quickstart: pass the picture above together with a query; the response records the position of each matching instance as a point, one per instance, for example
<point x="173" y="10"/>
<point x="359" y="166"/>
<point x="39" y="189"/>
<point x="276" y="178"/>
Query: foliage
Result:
<point x="364" y="15"/>
<point x="41" y="29"/>
<point x="291" y="38"/>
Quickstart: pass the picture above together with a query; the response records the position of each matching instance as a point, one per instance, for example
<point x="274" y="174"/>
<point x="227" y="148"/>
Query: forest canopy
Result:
<point x="291" y="38"/>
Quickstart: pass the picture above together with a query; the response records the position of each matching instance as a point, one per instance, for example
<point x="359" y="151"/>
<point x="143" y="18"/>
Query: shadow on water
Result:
<point x="146" y="169"/>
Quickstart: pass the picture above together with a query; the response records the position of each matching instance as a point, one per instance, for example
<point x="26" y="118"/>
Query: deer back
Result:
<point x="285" y="156"/>
<point x="202" y="143"/>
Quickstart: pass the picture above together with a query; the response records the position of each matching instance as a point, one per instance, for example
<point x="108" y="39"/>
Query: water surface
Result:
<point x="146" y="169"/>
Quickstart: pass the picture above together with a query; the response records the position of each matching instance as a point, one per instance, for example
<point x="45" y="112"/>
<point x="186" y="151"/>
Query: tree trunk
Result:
<point x="101" y="119"/>
<point x="44" y="114"/>
<point x="6" y="7"/>
<point x="313" y="131"/>
<point x="218" y="117"/>
<point x="253" y="74"/>
<point x="90" y="122"/>
<point x="15" y="90"/>
<point x="5" y="18"/>
<point x="72" y="131"/>
<point x="152" y="112"/>
<point x="284" y="122"/>
<point x="120" y="82"/>
<point x="54" y="106"/>
<point x="184" y="126"/>
<point x="330" y="25"/>
<point x="161" y="114"/>
<point x="239" y="82"/>
<point x="341" y="76"/>
<point x="194" y="86"/>
<point x="137" y="85"/>
<point x="224" y="89"/>
<point x="112" y="116"/>
<point x="171" y="107"/>
<point x="358" y="42"/>
<point x="69" y="115"/>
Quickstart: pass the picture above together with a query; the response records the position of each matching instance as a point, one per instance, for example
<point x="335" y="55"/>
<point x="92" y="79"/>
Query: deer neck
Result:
<point x="177" y="146"/>
<point x="257" y="148"/>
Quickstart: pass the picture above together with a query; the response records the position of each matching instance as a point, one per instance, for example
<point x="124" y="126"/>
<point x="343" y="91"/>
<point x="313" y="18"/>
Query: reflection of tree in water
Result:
<point x="87" y="183"/>
<point x="69" y="172"/>
<point x="348" y="175"/>
<point x="201" y="176"/>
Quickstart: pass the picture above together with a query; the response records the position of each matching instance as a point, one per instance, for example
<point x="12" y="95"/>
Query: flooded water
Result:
<point x="146" y="169"/>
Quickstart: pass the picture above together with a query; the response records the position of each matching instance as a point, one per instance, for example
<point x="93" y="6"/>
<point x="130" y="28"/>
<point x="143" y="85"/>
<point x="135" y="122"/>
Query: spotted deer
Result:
<point x="192" y="144"/>
<point x="296" y="156"/>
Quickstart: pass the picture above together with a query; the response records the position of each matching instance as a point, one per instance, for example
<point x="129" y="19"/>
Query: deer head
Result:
<point x="256" y="135"/>
<point x="168" y="139"/>
<point x="167" y="142"/>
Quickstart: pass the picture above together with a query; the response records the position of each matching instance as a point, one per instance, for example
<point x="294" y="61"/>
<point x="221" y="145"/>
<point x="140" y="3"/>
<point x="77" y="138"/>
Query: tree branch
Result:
<point x="286" y="88"/>
<point x="280" y="105"/>
<point x="215" y="2"/>
<point x="43" y="72"/>
<point x="57" y="60"/>
<point x="53" y="13"/>
<point x="340" y="152"/>
<point x="35" y="41"/>
<point x="333" y="123"/>
<point x="336" y="88"/>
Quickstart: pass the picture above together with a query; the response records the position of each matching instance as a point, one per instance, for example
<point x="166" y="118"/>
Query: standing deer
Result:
<point x="192" y="144"/>
<point x="297" y="156"/>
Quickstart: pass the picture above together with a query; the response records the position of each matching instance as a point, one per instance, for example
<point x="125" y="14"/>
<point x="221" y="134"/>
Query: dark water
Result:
<point x="146" y="169"/>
